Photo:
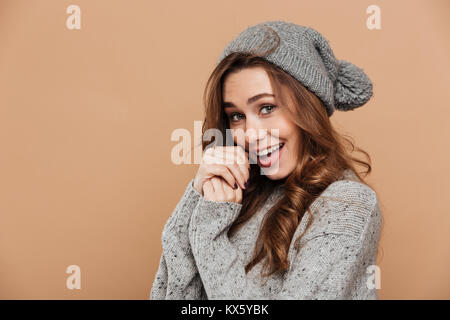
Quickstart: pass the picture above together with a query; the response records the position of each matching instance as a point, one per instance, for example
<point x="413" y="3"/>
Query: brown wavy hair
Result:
<point x="322" y="158"/>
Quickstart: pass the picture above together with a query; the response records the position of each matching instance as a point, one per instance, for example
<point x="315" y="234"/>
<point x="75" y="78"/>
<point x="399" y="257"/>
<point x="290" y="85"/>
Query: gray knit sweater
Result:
<point x="199" y="260"/>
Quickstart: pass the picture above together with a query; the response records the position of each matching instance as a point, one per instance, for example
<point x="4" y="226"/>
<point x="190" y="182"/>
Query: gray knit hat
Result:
<point x="306" y="55"/>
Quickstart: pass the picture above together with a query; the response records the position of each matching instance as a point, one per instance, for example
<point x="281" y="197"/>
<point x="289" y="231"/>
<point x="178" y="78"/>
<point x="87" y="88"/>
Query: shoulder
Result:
<point x="347" y="207"/>
<point x="348" y="191"/>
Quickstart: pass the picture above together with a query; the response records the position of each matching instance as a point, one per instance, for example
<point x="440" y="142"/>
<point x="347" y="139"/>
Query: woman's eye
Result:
<point x="235" y="117"/>
<point x="232" y="117"/>
<point x="270" y="108"/>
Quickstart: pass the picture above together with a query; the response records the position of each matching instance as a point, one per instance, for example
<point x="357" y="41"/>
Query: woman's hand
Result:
<point x="217" y="189"/>
<point x="228" y="162"/>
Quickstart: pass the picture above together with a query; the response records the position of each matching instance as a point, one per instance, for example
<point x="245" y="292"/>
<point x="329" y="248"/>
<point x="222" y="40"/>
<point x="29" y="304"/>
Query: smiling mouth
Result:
<point x="267" y="159"/>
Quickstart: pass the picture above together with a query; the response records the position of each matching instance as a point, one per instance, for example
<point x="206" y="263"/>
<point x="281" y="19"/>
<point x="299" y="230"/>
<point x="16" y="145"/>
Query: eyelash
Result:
<point x="264" y="106"/>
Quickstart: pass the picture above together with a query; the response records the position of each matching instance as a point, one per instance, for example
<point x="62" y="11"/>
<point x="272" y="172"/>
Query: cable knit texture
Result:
<point x="199" y="261"/>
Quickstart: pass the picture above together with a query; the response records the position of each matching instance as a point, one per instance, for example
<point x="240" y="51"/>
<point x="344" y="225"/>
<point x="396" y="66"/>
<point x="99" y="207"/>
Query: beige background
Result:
<point x="86" y="117"/>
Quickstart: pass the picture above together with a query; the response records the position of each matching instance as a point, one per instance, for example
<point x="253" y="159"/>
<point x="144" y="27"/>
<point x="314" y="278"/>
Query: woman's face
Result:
<point x="257" y="122"/>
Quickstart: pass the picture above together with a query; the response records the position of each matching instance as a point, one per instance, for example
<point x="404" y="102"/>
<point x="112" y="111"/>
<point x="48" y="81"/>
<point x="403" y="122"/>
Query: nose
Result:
<point x="255" y="136"/>
<point x="254" y="132"/>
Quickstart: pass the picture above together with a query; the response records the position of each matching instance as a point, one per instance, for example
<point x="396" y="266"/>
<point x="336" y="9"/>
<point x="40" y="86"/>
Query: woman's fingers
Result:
<point x="217" y="189"/>
<point x="238" y="195"/>
<point x="208" y="190"/>
<point x="239" y="157"/>
<point x="219" y="193"/>
<point x="228" y="171"/>
<point x="224" y="172"/>
<point x="236" y="170"/>
<point x="229" y="192"/>
<point x="238" y="152"/>
<point x="232" y="195"/>
<point x="234" y="158"/>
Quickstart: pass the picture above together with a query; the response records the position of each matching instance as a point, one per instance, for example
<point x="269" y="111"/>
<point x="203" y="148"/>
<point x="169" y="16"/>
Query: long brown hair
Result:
<point x="322" y="158"/>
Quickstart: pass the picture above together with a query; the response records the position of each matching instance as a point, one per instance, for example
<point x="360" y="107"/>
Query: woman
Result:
<point x="282" y="213"/>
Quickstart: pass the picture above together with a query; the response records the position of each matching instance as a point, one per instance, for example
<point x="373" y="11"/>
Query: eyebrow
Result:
<point x="249" y="101"/>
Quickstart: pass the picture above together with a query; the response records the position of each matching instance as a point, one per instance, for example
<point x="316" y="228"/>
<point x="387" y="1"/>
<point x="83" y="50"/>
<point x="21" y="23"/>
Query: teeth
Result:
<point x="269" y="150"/>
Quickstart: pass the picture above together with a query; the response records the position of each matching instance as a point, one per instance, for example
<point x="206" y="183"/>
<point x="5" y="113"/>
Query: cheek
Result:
<point x="283" y="127"/>
<point x="288" y="129"/>
<point x="292" y="135"/>
<point x="238" y="135"/>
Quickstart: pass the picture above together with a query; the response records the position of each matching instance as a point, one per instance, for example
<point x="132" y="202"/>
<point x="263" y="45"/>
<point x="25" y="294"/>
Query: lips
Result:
<point x="257" y="152"/>
<point x="270" y="158"/>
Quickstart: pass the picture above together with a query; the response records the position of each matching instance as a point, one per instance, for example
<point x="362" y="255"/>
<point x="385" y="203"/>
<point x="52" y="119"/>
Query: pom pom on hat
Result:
<point x="352" y="88"/>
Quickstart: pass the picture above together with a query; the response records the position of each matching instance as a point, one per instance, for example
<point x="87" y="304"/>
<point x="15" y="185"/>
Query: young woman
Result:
<point x="282" y="213"/>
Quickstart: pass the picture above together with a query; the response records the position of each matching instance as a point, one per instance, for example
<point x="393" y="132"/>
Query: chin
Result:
<point x="275" y="173"/>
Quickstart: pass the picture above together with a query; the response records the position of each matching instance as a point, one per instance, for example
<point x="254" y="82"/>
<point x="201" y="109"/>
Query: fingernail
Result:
<point x="235" y="185"/>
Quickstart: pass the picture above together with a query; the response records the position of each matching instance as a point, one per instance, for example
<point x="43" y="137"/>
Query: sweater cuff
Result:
<point x="183" y="211"/>
<point x="192" y="190"/>
<point x="214" y="217"/>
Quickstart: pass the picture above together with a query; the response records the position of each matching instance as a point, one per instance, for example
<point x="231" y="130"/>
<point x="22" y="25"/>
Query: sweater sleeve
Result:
<point x="217" y="260"/>
<point x="331" y="263"/>
<point x="177" y="276"/>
